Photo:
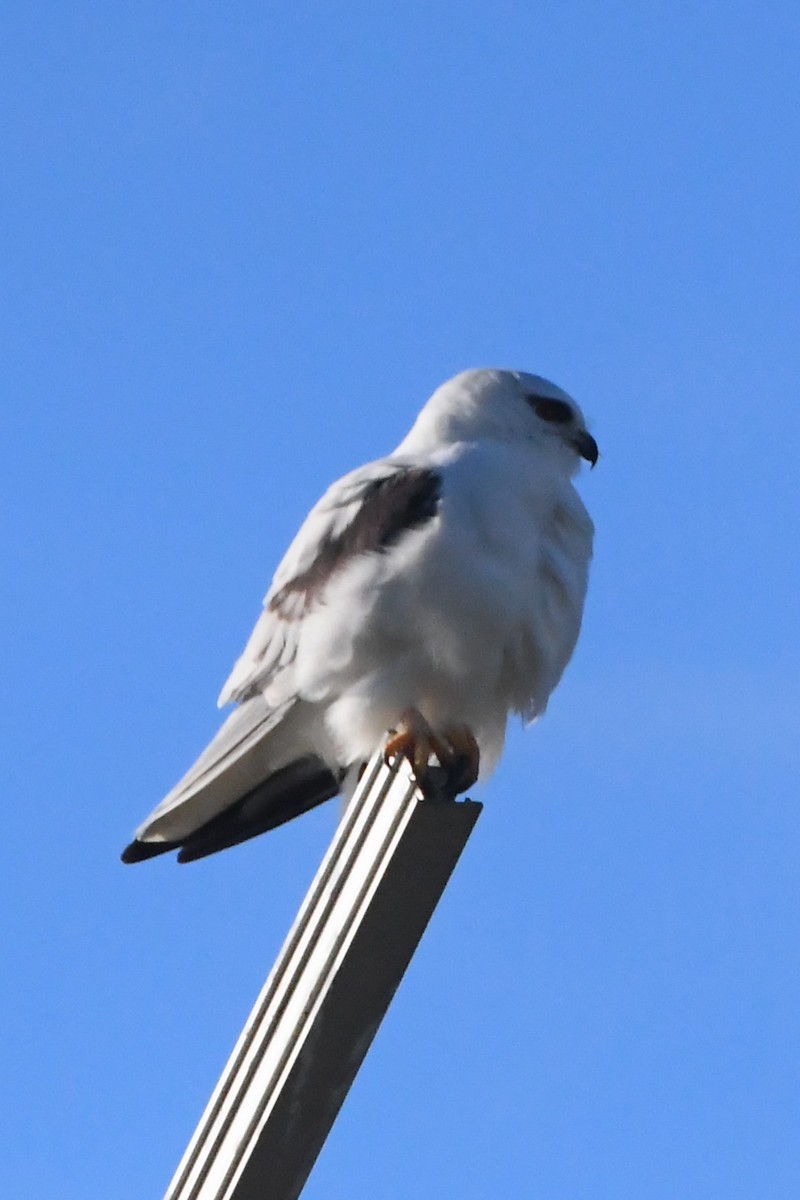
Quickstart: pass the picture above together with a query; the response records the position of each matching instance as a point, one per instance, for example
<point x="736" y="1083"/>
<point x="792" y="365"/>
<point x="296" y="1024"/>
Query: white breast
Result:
<point x="469" y="618"/>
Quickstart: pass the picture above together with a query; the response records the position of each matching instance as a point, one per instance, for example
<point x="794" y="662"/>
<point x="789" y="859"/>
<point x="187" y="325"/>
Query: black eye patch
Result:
<point x="550" y="410"/>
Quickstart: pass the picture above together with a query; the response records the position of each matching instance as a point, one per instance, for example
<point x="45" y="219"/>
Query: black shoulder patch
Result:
<point x="390" y="507"/>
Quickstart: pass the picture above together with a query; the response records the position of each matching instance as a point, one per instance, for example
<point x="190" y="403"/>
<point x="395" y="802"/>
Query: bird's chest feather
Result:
<point x="487" y="595"/>
<point x="504" y="575"/>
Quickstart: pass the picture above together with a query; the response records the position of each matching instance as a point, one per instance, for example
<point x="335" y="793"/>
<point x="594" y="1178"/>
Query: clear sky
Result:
<point x="241" y="243"/>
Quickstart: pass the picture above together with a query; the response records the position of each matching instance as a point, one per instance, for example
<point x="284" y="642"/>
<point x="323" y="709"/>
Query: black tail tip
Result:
<point x="140" y="851"/>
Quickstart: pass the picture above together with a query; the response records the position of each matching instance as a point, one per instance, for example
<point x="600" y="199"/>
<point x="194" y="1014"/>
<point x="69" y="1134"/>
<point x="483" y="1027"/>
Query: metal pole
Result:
<point x="301" y="1047"/>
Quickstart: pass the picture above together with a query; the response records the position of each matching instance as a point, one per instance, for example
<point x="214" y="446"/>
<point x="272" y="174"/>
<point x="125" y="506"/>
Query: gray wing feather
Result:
<point x="272" y="645"/>
<point x="237" y="759"/>
<point x="365" y="512"/>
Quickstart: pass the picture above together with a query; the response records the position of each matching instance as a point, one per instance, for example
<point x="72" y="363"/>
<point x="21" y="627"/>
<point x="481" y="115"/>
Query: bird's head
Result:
<point x="505" y="406"/>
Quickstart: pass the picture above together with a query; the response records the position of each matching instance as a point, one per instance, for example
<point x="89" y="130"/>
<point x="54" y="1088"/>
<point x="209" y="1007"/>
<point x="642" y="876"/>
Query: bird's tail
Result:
<point x="248" y="780"/>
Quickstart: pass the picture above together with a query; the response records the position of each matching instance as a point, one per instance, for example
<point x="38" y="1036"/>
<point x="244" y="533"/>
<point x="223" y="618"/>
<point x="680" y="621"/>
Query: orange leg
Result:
<point x="456" y="750"/>
<point x="416" y="741"/>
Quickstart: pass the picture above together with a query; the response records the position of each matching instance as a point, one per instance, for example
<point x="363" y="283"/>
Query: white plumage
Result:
<point x="447" y="578"/>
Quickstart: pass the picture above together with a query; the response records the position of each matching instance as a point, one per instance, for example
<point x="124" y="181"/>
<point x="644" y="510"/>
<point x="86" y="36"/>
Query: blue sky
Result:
<point x="241" y="244"/>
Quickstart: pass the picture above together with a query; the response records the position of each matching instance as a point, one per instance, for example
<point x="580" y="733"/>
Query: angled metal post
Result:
<point x="301" y="1047"/>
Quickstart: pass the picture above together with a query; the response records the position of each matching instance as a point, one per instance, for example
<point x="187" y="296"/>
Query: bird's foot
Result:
<point x="414" y="739"/>
<point x="456" y="751"/>
<point x="465" y="759"/>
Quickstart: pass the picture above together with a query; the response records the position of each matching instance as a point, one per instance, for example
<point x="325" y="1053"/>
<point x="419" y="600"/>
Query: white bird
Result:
<point x="426" y="597"/>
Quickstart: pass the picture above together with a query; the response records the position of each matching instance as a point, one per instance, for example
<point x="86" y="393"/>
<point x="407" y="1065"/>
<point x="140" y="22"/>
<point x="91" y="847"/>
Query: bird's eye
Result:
<point x="551" y="410"/>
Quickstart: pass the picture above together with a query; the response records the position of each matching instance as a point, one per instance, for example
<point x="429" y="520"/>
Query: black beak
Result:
<point x="586" y="446"/>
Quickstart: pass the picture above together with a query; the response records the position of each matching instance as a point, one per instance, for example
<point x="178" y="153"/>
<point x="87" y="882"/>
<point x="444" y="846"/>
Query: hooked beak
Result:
<point x="586" y="446"/>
